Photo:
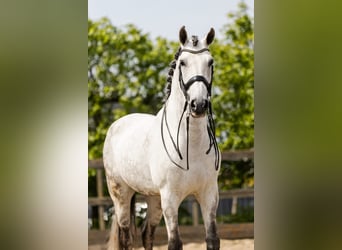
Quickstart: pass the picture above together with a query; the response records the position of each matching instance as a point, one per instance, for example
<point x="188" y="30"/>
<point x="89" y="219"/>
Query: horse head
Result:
<point x="195" y="65"/>
<point x="190" y="83"/>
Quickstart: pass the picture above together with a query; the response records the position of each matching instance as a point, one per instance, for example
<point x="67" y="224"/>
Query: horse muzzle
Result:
<point x="198" y="107"/>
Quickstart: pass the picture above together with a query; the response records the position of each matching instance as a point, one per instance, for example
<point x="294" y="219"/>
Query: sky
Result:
<point x="165" y="17"/>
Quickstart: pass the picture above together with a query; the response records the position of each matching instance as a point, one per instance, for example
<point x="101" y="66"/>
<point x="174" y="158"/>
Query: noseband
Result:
<point x="210" y="126"/>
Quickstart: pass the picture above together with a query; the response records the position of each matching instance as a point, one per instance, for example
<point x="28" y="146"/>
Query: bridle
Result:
<point x="210" y="126"/>
<point x="197" y="78"/>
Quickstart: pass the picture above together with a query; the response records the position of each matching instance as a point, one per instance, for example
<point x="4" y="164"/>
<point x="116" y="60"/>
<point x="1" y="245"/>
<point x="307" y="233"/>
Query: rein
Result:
<point x="210" y="126"/>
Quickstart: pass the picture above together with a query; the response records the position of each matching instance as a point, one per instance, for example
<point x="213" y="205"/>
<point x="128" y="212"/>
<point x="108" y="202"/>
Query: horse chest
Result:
<point x="200" y="174"/>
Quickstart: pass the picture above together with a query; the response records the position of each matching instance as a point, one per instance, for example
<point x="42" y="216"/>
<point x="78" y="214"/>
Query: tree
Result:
<point x="234" y="83"/>
<point x="126" y="73"/>
<point x="234" y="99"/>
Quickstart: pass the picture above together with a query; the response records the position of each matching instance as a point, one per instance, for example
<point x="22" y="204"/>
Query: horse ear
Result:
<point x="210" y="36"/>
<point x="183" y="36"/>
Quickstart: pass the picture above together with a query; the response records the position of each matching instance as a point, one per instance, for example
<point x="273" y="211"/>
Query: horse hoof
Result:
<point x="175" y="245"/>
<point x="213" y="244"/>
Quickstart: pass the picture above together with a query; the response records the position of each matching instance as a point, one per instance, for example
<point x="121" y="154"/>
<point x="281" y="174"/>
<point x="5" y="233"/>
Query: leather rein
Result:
<point x="210" y="125"/>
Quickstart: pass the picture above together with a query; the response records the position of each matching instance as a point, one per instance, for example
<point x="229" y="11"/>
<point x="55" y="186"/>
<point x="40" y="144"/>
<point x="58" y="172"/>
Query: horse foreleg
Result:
<point x="209" y="201"/>
<point x="122" y="197"/>
<point x="154" y="214"/>
<point x="170" y="203"/>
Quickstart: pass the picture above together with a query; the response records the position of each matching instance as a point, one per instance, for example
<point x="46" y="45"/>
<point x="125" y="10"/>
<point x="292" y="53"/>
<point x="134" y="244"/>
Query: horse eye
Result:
<point x="211" y="62"/>
<point x="182" y="63"/>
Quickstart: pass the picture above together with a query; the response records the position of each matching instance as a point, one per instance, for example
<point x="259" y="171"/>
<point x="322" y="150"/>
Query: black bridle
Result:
<point x="210" y="126"/>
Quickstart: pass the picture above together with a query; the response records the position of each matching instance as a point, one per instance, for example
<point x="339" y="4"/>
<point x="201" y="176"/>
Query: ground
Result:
<point x="244" y="244"/>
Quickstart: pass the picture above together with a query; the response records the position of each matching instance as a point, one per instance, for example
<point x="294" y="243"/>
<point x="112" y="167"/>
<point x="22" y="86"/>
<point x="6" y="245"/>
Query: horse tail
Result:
<point x="133" y="227"/>
<point x="113" y="242"/>
<point x="113" y="239"/>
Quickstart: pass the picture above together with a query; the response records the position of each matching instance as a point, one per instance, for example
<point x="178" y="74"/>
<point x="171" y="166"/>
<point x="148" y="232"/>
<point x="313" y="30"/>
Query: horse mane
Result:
<point x="170" y="74"/>
<point x="194" y="40"/>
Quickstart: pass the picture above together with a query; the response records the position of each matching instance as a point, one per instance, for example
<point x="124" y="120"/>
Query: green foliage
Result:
<point x="242" y="216"/>
<point x="234" y="99"/>
<point x="127" y="73"/>
<point x="92" y="183"/>
<point x="234" y="83"/>
<point x="239" y="174"/>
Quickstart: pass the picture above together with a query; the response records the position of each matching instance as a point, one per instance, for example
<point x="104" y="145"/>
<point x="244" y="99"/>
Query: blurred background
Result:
<point x="127" y="71"/>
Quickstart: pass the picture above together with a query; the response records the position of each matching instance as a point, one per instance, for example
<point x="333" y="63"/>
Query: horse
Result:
<point x="168" y="156"/>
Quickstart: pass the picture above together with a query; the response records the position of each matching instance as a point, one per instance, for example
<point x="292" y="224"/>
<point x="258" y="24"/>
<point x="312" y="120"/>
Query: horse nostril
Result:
<point x="205" y="104"/>
<point x="193" y="105"/>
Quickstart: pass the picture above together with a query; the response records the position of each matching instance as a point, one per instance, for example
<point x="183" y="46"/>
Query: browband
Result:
<point x="194" y="51"/>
